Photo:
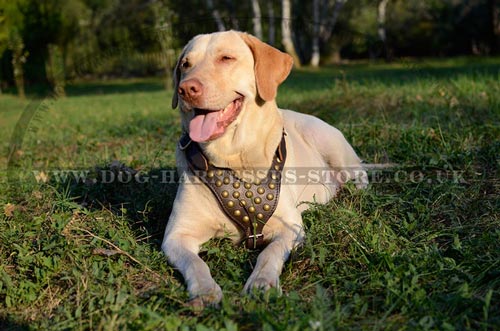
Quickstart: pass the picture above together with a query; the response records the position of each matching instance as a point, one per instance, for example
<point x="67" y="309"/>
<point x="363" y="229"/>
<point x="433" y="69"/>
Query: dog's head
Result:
<point x="218" y="75"/>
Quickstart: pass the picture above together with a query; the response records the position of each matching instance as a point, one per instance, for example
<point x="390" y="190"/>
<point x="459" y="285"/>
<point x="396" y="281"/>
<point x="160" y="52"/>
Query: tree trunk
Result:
<point x="19" y="57"/>
<point x="54" y="69"/>
<point x="257" y="23"/>
<point x="315" y="56"/>
<point x="163" y="28"/>
<point x="381" y="14"/>
<point x="18" y="60"/>
<point x="272" y="31"/>
<point x="164" y="35"/>
<point x="235" y="24"/>
<point x="286" y="31"/>
<point x="335" y="57"/>
<point x="327" y="31"/>
<point x="495" y="21"/>
<point x="216" y="15"/>
<point x="324" y="24"/>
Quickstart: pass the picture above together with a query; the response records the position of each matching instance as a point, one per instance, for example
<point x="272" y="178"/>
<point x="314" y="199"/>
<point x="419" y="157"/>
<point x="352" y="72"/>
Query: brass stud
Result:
<point x="260" y="190"/>
<point x="267" y="207"/>
<point x="225" y="194"/>
<point x="249" y="194"/>
<point x="230" y="204"/>
<point x="272" y="186"/>
<point x="243" y="203"/>
<point x="278" y="160"/>
<point x="237" y="213"/>
<point x="236" y="194"/>
<point x="257" y="200"/>
<point x="248" y="186"/>
<point x="219" y="172"/>
<point x="276" y="167"/>
<point x="251" y="209"/>
<point x="270" y="196"/>
<point x="246" y="219"/>
<point x="260" y="216"/>
<point x="236" y="185"/>
<point x="257" y="182"/>
<point x="274" y="176"/>
<point x="218" y="183"/>
<point x="210" y="174"/>
<point x="226" y="180"/>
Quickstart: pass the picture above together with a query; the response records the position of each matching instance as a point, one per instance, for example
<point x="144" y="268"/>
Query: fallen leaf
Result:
<point x="431" y="133"/>
<point x="454" y="102"/>
<point x="41" y="176"/>
<point x="9" y="209"/>
<point x="37" y="195"/>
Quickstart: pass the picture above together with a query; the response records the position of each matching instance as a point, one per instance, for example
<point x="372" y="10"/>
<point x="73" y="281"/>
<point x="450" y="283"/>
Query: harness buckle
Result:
<point x="254" y="240"/>
<point x="256" y="236"/>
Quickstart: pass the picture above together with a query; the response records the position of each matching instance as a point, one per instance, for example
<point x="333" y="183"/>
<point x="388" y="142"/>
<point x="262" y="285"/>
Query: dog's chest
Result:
<point x="248" y="205"/>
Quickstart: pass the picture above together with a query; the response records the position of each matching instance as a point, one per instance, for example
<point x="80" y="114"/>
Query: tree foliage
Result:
<point x="139" y="37"/>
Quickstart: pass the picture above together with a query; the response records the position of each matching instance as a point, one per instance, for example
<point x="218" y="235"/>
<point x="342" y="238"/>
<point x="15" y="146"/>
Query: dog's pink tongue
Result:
<point x="202" y="127"/>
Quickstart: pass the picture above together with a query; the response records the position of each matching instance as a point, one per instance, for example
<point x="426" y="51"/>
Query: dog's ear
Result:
<point x="176" y="76"/>
<point x="271" y="66"/>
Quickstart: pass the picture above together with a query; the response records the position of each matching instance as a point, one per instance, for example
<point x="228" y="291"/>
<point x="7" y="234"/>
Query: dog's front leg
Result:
<point x="182" y="252"/>
<point x="270" y="262"/>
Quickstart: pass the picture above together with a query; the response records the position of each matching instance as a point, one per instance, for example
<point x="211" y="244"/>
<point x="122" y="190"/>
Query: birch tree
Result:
<point x="272" y="30"/>
<point x="286" y="31"/>
<point x="19" y="56"/>
<point x="330" y="20"/>
<point x="257" y="22"/>
<point x="325" y="16"/>
<point x="164" y="33"/>
<point x="381" y="14"/>
<point x="233" y="15"/>
<point x="216" y="15"/>
<point x="315" y="57"/>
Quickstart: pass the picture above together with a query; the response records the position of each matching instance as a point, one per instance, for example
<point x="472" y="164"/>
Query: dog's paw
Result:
<point x="261" y="284"/>
<point x="361" y="180"/>
<point x="205" y="297"/>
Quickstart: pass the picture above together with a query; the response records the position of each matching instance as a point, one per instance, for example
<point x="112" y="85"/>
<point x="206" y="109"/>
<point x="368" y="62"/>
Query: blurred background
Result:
<point x="44" y="44"/>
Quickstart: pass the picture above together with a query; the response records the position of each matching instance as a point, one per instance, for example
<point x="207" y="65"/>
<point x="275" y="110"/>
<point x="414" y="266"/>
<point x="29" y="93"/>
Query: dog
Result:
<point x="235" y="135"/>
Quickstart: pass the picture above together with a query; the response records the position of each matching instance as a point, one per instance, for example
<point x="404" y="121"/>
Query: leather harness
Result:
<point x="248" y="204"/>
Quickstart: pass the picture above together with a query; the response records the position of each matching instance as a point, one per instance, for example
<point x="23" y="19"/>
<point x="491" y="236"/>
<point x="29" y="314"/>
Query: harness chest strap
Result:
<point x="248" y="205"/>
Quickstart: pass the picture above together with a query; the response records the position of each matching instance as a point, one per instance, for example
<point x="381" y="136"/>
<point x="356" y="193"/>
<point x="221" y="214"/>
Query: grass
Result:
<point x="417" y="250"/>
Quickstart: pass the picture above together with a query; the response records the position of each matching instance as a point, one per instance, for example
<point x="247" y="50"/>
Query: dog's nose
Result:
<point x="190" y="90"/>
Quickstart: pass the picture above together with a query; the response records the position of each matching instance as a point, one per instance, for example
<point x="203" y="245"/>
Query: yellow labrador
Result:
<point x="226" y="85"/>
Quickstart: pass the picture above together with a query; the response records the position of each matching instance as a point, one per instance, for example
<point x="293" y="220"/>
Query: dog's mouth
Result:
<point x="210" y="124"/>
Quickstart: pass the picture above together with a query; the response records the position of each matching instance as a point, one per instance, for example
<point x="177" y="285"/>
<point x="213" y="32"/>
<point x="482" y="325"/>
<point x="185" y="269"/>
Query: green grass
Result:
<point x="417" y="250"/>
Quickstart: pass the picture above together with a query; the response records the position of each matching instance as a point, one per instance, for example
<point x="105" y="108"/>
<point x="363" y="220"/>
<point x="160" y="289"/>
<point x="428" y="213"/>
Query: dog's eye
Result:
<point x="227" y="58"/>
<point x="185" y="64"/>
